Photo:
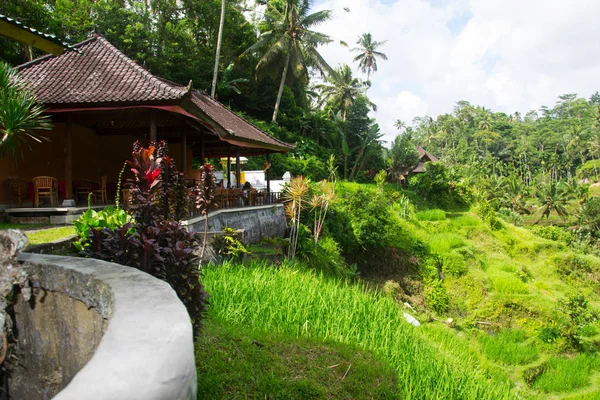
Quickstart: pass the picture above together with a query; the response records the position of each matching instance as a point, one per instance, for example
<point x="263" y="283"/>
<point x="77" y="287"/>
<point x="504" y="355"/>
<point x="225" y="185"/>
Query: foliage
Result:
<point x="228" y="245"/>
<point x="555" y="233"/>
<point x="380" y="178"/>
<point x="511" y="216"/>
<point x="288" y="40"/>
<point x="403" y="153"/>
<point x="436" y="296"/>
<point x="236" y="362"/>
<point x="323" y="195"/>
<point x="110" y="217"/>
<point x="509" y="346"/>
<point x="205" y="194"/>
<point x="156" y="243"/>
<point x="20" y="116"/>
<point x="590" y="214"/>
<point x="340" y="90"/>
<point x="293" y="301"/>
<point x="295" y="194"/>
<point x="434" y="214"/>
<point x="562" y="374"/>
<point x="368" y="53"/>
<point x="579" y="315"/>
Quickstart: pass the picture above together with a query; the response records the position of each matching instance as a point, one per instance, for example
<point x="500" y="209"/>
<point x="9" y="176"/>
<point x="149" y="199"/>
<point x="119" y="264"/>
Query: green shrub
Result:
<point x="431" y="215"/>
<point x="436" y="297"/>
<point x="508" y="284"/>
<point x="508" y="347"/>
<point x="442" y="243"/>
<point x="110" y="217"/>
<point x="228" y="245"/>
<point x="552" y="232"/>
<point x="572" y="265"/>
<point x="578" y="315"/>
<point x="511" y="216"/>
<point x="486" y="212"/>
<point x="454" y="264"/>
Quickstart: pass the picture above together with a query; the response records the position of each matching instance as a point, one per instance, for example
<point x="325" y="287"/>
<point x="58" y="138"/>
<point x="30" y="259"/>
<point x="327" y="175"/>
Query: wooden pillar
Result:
<point x="184" y="152"/>
<point x="228" y="166"/>
<point x="238" y="168"/>
<point x="202" y="158"/>
<point x="267" y="172"/>
<point x="153" y="129"/>
<point x="69" y="160"/>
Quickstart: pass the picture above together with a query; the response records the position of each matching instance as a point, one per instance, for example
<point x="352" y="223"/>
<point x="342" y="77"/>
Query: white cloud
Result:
<point x="506" y="55"/>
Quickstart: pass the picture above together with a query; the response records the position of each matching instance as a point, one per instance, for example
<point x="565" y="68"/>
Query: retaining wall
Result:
<point x="103" y="331"/>
<point x="257" y="222"/>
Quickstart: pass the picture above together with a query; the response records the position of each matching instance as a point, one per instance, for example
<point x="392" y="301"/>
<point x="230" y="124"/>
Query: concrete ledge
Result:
<point x="257" y="222"/>
<point x="147" y="350"/>
<point x="47" y="248"/>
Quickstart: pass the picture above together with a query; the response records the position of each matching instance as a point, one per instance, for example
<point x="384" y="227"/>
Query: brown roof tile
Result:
<point x="233" y="123"/>
<point x="100" y="74"/>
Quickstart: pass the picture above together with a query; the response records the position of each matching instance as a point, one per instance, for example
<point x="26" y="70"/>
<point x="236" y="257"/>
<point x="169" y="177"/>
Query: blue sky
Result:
<point x="507" y="55"/>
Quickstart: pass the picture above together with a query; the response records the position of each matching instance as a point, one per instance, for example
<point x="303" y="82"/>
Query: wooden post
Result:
<point x="202" y="158"/>
<point x="184" y="152"/>
<point x="68" y="161"/>
<point x="153" y="129"/>
<point x="228" y="166"/>
<point x="267" y="172"/>
<point x="238" y="168"/>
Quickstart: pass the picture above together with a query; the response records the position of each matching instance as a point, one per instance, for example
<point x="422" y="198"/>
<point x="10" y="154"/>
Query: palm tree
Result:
<point x="341" y="89"/>
<point x="370" y="137"/>
<point x="289" y="38"/>
<point x="552" y="197"/>
<point x="368" y="53"/>
<point x="218" y="54"/>
<point x="20" y="116"/>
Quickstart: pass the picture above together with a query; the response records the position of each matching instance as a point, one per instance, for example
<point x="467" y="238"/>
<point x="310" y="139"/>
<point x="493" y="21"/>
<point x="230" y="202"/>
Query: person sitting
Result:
<point x="247" y="186"/>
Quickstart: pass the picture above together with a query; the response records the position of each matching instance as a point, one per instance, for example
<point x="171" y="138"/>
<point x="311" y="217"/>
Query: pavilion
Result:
<point x="101" y="102"/>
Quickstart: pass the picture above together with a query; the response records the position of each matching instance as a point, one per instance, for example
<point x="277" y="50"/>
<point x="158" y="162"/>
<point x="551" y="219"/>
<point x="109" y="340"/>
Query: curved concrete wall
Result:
<point x="257" y="222"/>
<point x="146" y="350"/>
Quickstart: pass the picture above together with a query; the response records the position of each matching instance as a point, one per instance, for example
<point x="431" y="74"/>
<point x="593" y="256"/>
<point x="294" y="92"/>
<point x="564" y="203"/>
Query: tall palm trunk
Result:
<point x="281" y="85"/>
<point x="218" y="55"/>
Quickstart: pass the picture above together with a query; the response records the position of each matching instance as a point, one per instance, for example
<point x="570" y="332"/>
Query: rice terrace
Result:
<point x="299" y="199"/>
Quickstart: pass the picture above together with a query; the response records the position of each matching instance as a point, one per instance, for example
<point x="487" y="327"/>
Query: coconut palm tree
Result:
<point x="290" y="43"/>
<point x="20" y="116"/>
<point x="368" y="53"/>
<point x="552" y="196"/>
<point x="218" y="54"/>
<point x="341" y="89"/>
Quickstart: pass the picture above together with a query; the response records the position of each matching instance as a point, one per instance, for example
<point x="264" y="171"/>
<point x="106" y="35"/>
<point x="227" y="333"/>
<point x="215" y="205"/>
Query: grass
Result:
<point x="298" y="303"/>
<point x="236" y="363"/>
<point x="431" y="215"/>
<point x="4" y="226"/>
<point x="508" y="347"/>
<point x="49" y="235"/>
<point x="566" y="374"/>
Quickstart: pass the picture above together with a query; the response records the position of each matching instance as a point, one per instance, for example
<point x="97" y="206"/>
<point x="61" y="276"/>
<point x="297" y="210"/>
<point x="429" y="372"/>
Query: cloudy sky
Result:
<point x="507" y="55"/>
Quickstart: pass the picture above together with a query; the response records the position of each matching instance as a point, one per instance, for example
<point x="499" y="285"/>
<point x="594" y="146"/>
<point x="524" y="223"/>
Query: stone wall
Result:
<point x="103" y="331"/>
<point x="257" y="222"/>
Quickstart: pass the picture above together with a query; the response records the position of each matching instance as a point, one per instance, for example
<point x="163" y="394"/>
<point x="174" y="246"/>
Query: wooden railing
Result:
<point x="238" y="198"/>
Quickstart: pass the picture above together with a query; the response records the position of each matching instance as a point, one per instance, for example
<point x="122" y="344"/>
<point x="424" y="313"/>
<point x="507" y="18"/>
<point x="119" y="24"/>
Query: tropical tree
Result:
<point x="552" y="197"/>
<point x="368" y="53"/>
<point x="341" y="89"/>
<point x="218" y="53"/>
<point x="20" y="116"/>
<point x="289" y="38"/>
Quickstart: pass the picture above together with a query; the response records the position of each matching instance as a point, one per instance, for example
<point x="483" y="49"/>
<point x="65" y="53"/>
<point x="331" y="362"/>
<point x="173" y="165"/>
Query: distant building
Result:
<point x="402" y="174"/>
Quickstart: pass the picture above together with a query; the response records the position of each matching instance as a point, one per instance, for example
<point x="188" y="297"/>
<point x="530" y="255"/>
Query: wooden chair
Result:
<point x="45" y="186"/>
<point x="17" y="191"/>
<point x="81" y="190"/>
<point x="100" y="193"/>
